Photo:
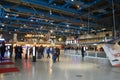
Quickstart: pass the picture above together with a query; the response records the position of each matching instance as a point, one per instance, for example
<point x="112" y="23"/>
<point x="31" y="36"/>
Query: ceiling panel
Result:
<point x="62" y="16"/>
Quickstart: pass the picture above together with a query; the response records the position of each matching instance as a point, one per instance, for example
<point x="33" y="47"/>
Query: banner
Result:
<point x="113" y="53"/>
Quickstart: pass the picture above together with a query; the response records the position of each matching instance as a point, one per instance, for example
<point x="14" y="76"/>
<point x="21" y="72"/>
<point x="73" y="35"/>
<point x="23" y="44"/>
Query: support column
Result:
<point x="34" y="54"/>
<point x="15" y="37"/>
<point x="0" y="35"/>
<point x="26" y="54"/>
<point x="114" y="24"/>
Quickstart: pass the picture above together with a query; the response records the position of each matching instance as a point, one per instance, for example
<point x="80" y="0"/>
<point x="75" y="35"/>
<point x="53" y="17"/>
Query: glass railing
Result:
<point x="88" y="53"/>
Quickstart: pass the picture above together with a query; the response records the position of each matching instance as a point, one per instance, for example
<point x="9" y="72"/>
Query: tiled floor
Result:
<point x="69" y="68"/>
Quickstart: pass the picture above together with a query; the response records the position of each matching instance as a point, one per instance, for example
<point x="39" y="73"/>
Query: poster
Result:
<point x="113" y="53"/>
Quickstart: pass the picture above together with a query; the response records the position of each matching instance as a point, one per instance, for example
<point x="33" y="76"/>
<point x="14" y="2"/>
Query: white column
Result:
<point x="0" y="35"/>
<point x="15" y="37"/>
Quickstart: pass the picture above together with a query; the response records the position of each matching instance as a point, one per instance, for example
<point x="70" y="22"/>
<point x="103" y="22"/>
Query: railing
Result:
<point x="90" y="54"/>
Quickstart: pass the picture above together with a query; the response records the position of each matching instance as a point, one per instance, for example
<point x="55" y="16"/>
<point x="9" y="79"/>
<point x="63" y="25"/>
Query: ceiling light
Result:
<point x="67" y="25"/>
<point x="50" y="12"/>
<point x="54" y="3"/>
<point x="66" y="30"/>
<point x="78" y="32"/>
<point x="15" y="30"/>
<point x="17" y="15"/>
<point x="92" y="30"/>
<point x="51" y="31"/>
<point x="41" y="27"/>
<point x="94" y="44"/>
<point x="61" y="31"/>
<point x="9" y="32"/>
<point x="36" y="20"/>
<point x="80" y="27"/>
<point x="3" y="25"/>
<point x="24" y="25"/>
<point x="46" y="20"/>
<point x="31" y="20"/>
<point x="56" y="28"/>
<point x="72" y="0"/>
<point x="78" y="6"/>
<point x="6" y="16"/>
<point x="21" y="27"/>
<point x="103" y="29"/>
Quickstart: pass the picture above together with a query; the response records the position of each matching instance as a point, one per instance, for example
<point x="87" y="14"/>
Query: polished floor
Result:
<point x="68" y="68"/>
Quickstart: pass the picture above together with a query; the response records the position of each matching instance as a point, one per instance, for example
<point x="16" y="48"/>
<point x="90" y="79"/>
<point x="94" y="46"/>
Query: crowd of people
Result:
<point x="39" y="51"/>
<point x="76" y="48"/>
<point x="55" y="51"/>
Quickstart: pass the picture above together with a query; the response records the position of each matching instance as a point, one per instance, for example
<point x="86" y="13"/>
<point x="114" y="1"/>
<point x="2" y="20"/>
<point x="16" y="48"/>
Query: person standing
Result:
<point x="53" y="54"/>
<point x="20" y="52"/>
<point x="2" y="50"/>
<point x="48" y="52"/>
<point x="82" y="52"/>
<point x="57" y="53"/>
<point x="16" y="51"/>
<point x="42" y="51"/>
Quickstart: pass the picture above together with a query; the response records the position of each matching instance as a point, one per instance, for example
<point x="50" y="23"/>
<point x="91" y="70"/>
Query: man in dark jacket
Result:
<point x="2" y="49"/>
<point x="57" y="53"/>
<point x="82" y="52"/>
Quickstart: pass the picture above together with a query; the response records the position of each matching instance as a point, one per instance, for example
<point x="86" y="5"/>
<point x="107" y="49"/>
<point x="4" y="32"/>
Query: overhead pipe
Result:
<point x="31" y="27"/>
<point x="88" y="21"/>
<point x="53" y="16"/>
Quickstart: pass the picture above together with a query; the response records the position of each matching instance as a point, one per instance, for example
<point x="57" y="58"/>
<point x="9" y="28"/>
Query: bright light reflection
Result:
<point x="3" y="25"/>
<point x="76" y="66"/>
<point x="94" y="44"/>
<point x="6" y="16"/>
<point x="50" y="67"/>
<point x="2" y="39"/>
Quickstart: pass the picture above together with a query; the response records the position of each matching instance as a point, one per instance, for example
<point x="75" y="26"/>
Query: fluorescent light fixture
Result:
<point x="50" y="12"/>
<point x="6" y="16"/>
<point x="94" y="44"/>
<point x="51" y="31"/>
<point x="2" y="39"/>
<point x="67" y="25"/>
<point x="3" y="25"/>
<point x="31" y="20"/>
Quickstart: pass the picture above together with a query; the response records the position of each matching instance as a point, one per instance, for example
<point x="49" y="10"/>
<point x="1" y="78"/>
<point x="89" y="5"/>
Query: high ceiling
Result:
<point x="62" y="17"/>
